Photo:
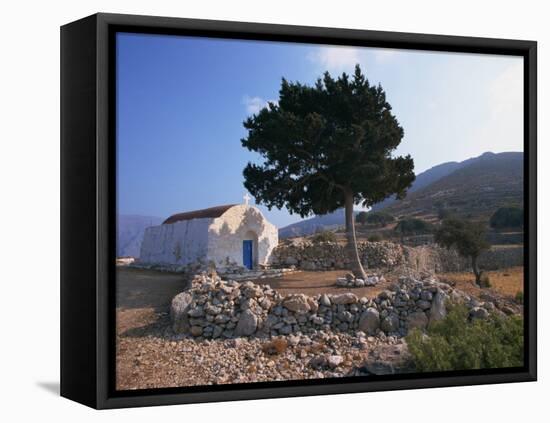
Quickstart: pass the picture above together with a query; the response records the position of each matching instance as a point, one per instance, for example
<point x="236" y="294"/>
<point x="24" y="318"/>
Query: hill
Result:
<point x="130" y="230"/>
<point x="475" y="190"/>
<point x="474" y="187"/>
<point x="314" y="224"/>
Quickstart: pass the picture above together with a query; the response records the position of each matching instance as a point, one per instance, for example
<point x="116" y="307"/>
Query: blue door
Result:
<point x="247" y="254"/>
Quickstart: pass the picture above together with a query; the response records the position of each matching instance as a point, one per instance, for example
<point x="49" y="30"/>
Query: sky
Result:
<point x="181" y="102"/>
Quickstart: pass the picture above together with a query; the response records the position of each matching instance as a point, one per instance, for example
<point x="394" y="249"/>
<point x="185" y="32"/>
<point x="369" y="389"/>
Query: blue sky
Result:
<point x="181" y="102"/>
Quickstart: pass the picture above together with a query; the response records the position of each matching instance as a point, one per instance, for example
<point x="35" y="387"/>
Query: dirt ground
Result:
<point x="505" y="281"/>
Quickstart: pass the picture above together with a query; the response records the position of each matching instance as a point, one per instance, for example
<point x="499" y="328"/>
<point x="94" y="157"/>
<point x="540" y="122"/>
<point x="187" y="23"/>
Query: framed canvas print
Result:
<point x="255" y="211"/>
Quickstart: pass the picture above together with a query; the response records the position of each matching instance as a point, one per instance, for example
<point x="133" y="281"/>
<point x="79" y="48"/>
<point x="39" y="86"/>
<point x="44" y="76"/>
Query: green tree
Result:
<point x="379" y="218"/>
<point x="325" y="147"/>
<point x="467" y="238"/>
<point x="361" y="218"/>
<point x="412" y="226"/>
<point x="507" y="217"/>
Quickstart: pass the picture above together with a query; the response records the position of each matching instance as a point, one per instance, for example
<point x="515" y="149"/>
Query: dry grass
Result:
<point x="276" y="346"/>
<point x="505" y="281"/>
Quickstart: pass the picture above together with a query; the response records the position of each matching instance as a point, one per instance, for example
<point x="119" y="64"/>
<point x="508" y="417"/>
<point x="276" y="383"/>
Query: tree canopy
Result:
<point x="320" y="141"/>
<point x="507" y="217"/>
<point x="325" y="147"/>
<point x="468" y="238"/>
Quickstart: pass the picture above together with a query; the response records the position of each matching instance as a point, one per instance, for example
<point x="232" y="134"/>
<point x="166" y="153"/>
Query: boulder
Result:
<point x="297" y="303"/>
<point x="247" y="324"/>
<point x="369" y="322"/>
<point x="390" y="324"/>
<point x="418" y="319"/>
<point x="178" y="312"/>
<point x="479" y="313"/>
<point x="345" y="298"/>
<point x="438" y="310"/>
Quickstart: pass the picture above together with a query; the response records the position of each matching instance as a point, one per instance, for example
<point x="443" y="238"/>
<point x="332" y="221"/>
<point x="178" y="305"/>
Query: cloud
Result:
<point x="254" y="104"/>
<point x="343" y="59"/>
<point x="335" y="59"/>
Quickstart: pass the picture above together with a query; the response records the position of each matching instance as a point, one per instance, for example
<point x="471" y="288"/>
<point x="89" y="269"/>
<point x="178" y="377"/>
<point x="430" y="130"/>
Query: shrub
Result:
<point x="324" y="236"/>
<point x="413" y="226"/>
<point x="379" y="218"/>
<point x="507" y="217"/>
<point x="456" y="343"/>
<point x="275" y="346"/>
<point x="375" y="238"/>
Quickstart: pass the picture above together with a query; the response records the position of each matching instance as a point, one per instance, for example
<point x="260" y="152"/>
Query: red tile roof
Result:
<point x="211" y="212"/>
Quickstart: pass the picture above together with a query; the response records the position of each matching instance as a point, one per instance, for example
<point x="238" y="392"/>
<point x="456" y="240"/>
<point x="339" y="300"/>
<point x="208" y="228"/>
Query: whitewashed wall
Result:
<point x="227" y="232"/>
<point x="182" y="242"/>
<point x="218" y="241"/>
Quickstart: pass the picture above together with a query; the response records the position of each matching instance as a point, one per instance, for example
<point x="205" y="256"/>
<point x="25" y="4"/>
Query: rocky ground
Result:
<point x="159" y="360"/>
<point x="150" y="354"/>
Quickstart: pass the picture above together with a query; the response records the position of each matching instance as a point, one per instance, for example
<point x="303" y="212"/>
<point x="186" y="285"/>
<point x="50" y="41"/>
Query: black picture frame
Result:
<point x="88" y="221"/>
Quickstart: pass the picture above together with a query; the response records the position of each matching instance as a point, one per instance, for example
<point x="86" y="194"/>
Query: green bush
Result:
<point x="324" y="236"/>
<point x="507" y="217"/>
<point x="375" y="238"/>
<point x="413" y="226"/>
<point x="456" y="343"/>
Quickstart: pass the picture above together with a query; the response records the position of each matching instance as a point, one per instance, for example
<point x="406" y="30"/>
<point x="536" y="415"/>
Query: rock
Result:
<point x="341" y="282"/>
<point x="196" y="330"/>
<point x="369" y="322"/>
<point x="418" y="319"/>
<point x="438" y="310"/>
<point x="325" y="300"/>
<point x="390" y="323"/>
<point x="345" y="298"/>
<point x="248" y="322"/>
<point x="178" y="312"/>
<point x="297" y="303"/>
<point x="423" y="304"/>
<point x="379" y="367"/>
<point x="317" y="362"/>
<point x="350" y="277"/>
<point x="334" y="361"/>
<point x="479" y="313"/>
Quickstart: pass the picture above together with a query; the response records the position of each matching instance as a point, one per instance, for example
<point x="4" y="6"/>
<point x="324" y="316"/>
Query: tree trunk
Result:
<point x="476" y="270"/>
<point x="351" y="246"/>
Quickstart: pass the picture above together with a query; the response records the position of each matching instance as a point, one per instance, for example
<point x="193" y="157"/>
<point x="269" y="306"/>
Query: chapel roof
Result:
<point x="211" y="212"/>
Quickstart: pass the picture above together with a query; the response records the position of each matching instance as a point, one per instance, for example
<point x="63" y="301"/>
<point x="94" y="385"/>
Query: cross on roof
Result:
<point x="246" y="198"/>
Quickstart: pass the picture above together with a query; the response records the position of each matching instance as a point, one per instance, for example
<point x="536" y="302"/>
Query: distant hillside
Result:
<point x="311" y="225"/>
<point x="474" y="187"/>
<point x="475" y="190"/>
<point x="130" y="230"/>
<point x="431" y="175"/>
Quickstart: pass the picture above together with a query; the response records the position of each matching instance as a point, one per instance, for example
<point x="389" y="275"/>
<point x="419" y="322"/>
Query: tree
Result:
<point x="467" y="238"/>
<point x="361" y="218"/>
<point x="507" y="217"/>
<point x="325" y="147"/>
<point x="379" y="218"/>
<point x="412" y="226"/>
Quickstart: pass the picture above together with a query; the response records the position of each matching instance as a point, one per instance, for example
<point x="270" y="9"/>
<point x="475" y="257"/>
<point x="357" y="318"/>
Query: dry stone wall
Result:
<point x="214" y="308"/>
<point x="387" y="255"/>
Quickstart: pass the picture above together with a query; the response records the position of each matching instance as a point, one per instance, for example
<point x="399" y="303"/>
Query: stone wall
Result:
<point x="389" y="256"/>
<point x="214" y="308"/>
